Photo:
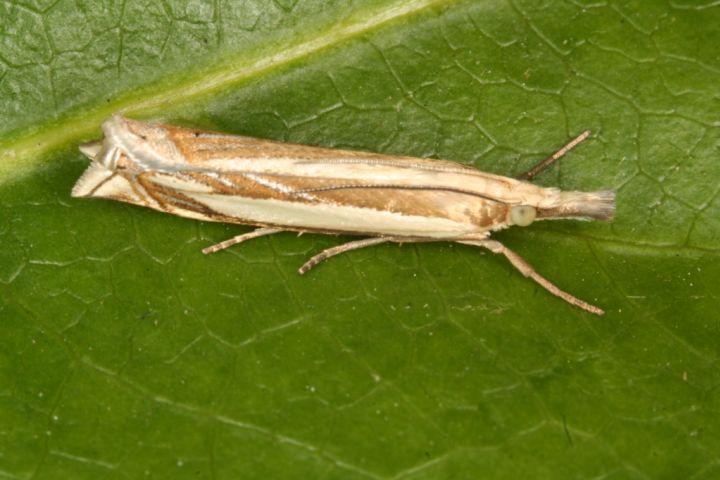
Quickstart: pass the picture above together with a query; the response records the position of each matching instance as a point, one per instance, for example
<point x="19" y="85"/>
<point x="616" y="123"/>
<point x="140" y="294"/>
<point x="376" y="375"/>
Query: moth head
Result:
<point x="128" y="148"/>
<point x="129" y="144"/>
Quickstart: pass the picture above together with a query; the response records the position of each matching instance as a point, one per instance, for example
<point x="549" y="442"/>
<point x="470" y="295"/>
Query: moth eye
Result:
<point x="522" y="215"/>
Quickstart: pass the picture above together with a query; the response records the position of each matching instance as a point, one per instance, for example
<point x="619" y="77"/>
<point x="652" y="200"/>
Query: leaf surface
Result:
<point x="127" y="353"/>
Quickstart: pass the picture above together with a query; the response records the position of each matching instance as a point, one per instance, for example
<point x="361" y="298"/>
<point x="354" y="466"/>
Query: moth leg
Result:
<point x="530" y="174"/>
<point x="345" y="247"/>
<point x="527" y="270"/>
<point x="260" y="232"/>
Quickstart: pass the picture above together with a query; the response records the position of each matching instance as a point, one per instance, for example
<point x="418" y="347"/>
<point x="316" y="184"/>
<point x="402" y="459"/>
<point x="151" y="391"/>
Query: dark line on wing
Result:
<point x="181" y="201"/>
<point x="150" y="192"/>
<point x="404" y="162"/>
<point x="460" y="169"/>
<point x="407" y="162"/>
<point x="97" y="187"/>
<point x="399" y="187"/>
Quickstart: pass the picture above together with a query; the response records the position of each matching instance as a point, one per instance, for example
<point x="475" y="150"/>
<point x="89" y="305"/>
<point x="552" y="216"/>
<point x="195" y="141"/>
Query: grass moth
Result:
<point x="284" y="187"/>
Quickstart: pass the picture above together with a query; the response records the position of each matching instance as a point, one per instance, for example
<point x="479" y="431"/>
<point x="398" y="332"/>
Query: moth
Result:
<point x="280" y="187"/>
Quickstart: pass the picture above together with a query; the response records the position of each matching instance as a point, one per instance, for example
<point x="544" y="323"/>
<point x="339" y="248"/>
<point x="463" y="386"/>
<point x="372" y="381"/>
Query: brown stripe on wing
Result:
<point x="200" y="146"/>
<point x="249" y="185"/>
<point x="429" y="202"/>
<point x="169" y="199"/>
<point x="221" y="185"/>
<point x="458" y="206"/>
<point x="417" y="200"/>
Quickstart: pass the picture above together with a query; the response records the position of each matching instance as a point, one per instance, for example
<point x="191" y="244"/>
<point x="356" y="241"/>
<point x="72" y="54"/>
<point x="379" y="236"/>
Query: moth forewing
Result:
<point x="277" y="186"/>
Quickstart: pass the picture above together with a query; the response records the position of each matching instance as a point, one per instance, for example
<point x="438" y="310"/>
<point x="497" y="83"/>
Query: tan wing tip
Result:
<point x="582" y="205"/>
<point x="601" y="205"/>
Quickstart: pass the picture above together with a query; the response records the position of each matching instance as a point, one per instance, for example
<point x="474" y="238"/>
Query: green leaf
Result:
<point x="127" y="353"/>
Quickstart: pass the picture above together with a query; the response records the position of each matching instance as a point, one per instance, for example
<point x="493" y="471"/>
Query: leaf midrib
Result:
<point x="22" y="153"/>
